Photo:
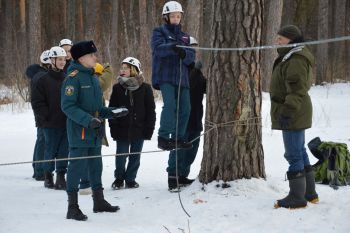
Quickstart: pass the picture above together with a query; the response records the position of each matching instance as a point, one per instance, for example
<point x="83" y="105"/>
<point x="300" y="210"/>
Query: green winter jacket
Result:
<point x="290" y="83"/>
<point x="81" y="100"/>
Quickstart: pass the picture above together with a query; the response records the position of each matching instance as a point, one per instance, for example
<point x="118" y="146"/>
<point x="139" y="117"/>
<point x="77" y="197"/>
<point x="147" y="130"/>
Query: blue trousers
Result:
<point x="185" y="158"/>
<point x="167" y="127"/>
<point x="295" y="151"/>
<point x="77" y="168"/>
<point x="56" y="146"/>
<point x="39" y="150"/>
<point x="128" y="174"/>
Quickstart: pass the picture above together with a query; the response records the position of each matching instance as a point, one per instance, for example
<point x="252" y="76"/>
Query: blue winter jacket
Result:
<point x="165" y="61"/>
<point x="81" y="100"/>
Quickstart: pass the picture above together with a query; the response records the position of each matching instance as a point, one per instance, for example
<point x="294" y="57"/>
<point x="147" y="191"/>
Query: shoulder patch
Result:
<point x="69" y="90"/>
<point x="73" y="73"/>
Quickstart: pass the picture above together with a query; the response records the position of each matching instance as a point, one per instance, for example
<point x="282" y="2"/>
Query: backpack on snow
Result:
<point x="333" y="165"/>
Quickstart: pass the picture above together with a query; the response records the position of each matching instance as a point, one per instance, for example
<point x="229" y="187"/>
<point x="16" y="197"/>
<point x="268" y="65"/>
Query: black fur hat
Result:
<point x="82" y="48"/>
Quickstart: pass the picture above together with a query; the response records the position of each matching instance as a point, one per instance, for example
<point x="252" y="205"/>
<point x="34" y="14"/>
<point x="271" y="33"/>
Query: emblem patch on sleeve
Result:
<point x="69" y="90"/>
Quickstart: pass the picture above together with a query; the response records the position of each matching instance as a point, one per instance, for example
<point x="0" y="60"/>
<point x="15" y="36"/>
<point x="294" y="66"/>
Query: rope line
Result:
<point x="314" y="42"/>
<point x="212" y="126"/>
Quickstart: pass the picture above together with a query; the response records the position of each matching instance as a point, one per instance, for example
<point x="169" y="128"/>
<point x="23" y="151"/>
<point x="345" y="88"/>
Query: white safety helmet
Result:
<point x="172" y="6"/>
<point x="44" y="57"/>
<point x="65" y="42"/>
<point x="193" y="41"/>
<point x="134" y="62"/>
<point x="57" y="51"/>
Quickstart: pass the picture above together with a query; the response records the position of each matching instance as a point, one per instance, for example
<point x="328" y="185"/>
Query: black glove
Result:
<point x="100" y="132"/>
<point x="95" y="123"/>
<point x="120" y="112"/>
<point x="180" y="51"/>
<point x="284" y="121"/>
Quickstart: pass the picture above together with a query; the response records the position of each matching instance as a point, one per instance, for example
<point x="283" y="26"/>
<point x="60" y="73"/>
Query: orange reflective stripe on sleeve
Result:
<point x="82" y="134"/>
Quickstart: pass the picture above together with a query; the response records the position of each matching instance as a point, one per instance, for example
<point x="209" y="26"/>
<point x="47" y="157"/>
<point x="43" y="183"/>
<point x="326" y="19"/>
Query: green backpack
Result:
<point x="333" y="166"/>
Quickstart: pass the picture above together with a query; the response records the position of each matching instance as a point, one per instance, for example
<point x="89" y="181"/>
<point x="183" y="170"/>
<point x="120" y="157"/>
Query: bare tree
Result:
<point x="322" y="49"/>
<point x="234" y="149"/>
<point x="272" y="22"/>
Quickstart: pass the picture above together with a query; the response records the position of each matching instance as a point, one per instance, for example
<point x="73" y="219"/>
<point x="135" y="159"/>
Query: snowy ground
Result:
<point x="26" y="206"/>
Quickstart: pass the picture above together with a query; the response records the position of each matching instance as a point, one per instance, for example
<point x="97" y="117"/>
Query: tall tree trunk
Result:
<point x="271" y="25"/>
<point x="338" y="49"/>
<point x="234" y="94"/>
<point x="71" y="9"/>
<point x="193" y="13"/>
<point x="322" y="49"/>
<point x="145" y="34"/>
<point x="34" y="31"/>
<point x="347" y="43"/>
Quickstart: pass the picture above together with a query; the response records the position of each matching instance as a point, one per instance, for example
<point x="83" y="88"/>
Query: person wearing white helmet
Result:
<point x="130" y="131"/>
<point x="66" y="44"/>
<point x="31" y="72"/>
<point x="46" y="103"/>
<point x="168" y="77"/>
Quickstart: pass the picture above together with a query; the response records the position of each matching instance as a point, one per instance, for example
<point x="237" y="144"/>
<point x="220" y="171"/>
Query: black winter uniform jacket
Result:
<point x="140" y="122"/>
<point x="46" y="100"/>
<point x="197" y="89"/>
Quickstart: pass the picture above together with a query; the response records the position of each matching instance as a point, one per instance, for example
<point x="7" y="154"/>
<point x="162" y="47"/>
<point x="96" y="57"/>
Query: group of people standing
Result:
<point x="70" y="113"/>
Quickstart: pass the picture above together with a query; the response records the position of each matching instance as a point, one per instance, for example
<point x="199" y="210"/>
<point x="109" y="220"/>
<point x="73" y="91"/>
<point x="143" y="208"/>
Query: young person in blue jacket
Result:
<point x="170" y="65"/>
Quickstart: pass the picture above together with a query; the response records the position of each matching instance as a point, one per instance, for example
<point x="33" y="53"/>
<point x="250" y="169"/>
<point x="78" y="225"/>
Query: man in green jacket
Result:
<point x="291" y="112"/>
<point x="81" y="101"/>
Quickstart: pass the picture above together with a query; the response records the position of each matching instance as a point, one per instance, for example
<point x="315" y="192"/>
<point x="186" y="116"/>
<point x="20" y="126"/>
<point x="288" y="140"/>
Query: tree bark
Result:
<point x="234" y="95"/>
<point x="322" y="49"/>
<point x="34" y="31"/>
<point x="271" y="25"/>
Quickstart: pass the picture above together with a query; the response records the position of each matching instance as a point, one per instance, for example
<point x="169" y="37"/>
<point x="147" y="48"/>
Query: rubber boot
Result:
<point x="48" y="182"/>
<point x="100" y="204"/>
<point x="296" y="197"/>
<point x="310" y="194"/>
<point x="73" y="208"/>
<point x="60" y="181"/>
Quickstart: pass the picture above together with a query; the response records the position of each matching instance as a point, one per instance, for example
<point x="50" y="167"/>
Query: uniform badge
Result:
<point x="73" y="73"/>
<point x="69" y="90"/>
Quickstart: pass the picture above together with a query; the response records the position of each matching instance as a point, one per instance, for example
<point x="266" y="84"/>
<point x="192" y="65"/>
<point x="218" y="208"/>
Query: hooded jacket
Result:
<point x="290" y="83"/>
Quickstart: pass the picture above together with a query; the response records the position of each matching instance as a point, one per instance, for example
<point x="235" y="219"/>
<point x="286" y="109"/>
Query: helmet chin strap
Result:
<point x="166" y="18"/>
<point x="55" y="66"/>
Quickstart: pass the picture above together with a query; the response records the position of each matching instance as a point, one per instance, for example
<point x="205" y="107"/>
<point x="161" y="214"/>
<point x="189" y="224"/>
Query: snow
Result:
<point x="26" y="206"/>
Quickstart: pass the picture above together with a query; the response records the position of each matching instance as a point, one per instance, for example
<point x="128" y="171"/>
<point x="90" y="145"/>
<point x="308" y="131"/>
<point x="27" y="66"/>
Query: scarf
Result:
<point x="131" y="83"/>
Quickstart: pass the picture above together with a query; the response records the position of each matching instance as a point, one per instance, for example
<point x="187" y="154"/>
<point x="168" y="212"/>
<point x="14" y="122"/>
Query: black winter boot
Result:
<point x="73" y="208"/>
<point x="170" y="144"/>
<point x="310" y="194"/>
<point x="60" y="181"/>
<point x="296" y="197"/>
<point x="172" y="184"/>
<point x="48" y="182"/>
<point x="184" y="181"/>
<point x="100" y="204"/>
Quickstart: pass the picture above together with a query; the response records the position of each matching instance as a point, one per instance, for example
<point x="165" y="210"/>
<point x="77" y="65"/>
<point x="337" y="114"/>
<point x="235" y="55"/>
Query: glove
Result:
<point x="284" y="121"/>
<point x="180" y="51"/>
<point x="100" y="132"/>
<point x="95" y="123"/>
<point x="120" y="112"/>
